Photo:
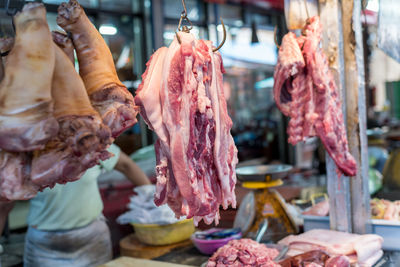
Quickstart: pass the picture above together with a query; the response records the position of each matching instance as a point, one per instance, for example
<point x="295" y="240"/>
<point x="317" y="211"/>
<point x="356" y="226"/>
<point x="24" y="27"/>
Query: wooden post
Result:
<point x="356" y="112"/>
<point x="349" y="196"/>
<point x="332" y="43"/>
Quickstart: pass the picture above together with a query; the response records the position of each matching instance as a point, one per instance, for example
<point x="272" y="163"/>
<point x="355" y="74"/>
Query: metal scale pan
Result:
<point x="251" y="212"/>
<point x="262" y="173"/>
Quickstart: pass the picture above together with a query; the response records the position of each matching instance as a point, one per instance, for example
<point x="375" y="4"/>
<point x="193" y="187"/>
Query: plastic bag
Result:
<point x="296" y="13"/>
<point x="144" y="211"/>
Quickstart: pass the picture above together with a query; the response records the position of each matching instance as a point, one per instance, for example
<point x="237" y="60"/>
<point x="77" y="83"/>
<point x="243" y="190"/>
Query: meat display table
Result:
<point x="128" y="262"/>
<point x="188" y="255"/>
<point x="179" y="253"/>
<point x="185" y="255"/>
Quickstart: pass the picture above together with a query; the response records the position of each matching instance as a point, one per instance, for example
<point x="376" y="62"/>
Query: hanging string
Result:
<point x="306" y="5"/>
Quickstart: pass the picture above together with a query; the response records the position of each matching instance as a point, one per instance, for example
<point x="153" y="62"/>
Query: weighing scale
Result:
<point x="264" y="205"/>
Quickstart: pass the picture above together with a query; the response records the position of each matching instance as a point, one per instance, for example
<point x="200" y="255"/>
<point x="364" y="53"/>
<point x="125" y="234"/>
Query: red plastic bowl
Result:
<point x="209" y="246"/>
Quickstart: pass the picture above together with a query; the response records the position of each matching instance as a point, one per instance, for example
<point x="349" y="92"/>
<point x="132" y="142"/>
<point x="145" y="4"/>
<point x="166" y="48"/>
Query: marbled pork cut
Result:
<point x="330" y="124"/>
<point x="316" y="258"/>
<point x="305" y="90"/>
<point x="358" y="248"/>
<point x="181" y="99"/>
<point x="149" y="102"/>
<point x="290" y="64"/>
<point x="293" y="89"/>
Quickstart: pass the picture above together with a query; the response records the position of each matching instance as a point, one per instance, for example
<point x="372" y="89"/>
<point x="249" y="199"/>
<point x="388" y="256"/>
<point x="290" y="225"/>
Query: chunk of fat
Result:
<point x="222" y="126"/>
<point x="337" y="243"/>
<point x="150" y="94"/>
<point x="179" y="129"/>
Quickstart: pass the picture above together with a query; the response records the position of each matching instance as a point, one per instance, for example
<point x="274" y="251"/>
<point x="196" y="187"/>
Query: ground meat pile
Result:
<point x="244" y="252"/>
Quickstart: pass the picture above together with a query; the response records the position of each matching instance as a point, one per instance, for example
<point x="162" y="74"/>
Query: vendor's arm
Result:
<point x="131" y="170"/>
<point x="5" y="208"/>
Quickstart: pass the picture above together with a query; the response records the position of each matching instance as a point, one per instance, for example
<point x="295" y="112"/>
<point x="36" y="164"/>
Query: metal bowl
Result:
<point x="261" y="173"/>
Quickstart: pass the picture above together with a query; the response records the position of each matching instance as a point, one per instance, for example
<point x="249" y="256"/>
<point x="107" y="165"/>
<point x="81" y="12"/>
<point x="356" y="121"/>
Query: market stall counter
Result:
<point x="126" y="261"/>
<point x="188" y="255"/>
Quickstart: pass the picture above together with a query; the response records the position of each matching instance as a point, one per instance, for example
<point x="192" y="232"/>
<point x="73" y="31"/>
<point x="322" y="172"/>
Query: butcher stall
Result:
<point x="304" y="174"/>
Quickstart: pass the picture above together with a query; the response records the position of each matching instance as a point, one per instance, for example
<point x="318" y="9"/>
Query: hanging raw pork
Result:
<point x="15" y="182"/>
<point x="305" y="90"/>
<point x="26" y="119"/>
<point x="82" y="139"/>
<point x="96" y="67"/>
<point x="181" y="98"/>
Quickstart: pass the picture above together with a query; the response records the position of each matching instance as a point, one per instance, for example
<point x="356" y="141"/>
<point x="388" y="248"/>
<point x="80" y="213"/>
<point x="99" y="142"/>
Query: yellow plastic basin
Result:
<point x="155" y="234"/>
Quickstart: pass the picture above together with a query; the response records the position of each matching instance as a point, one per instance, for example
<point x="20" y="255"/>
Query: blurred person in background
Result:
<point x="66" y="226"/>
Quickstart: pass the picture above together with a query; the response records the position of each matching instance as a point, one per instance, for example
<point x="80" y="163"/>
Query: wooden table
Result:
<point x="128" y="262"/>
<point x="179" y="253"/>
<point x="130" y="246"/>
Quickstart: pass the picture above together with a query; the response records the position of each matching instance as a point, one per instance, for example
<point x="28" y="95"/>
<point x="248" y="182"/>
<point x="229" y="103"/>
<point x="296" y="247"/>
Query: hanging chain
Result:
<point x="184" y="16"/>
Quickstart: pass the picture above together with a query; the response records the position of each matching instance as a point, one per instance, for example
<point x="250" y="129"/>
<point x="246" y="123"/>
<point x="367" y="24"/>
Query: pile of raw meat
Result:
<point x="380" y="209"/>
<point x="181" y="98"/>
<point x="54" y="122"/>
<point x="319" y="209"/>
<point x="305" y="90"/>
<point x="315" y="258"/>
<point x="365" y="250"/>
<point x="385" y="210"/>
<point x="244" y="252"/>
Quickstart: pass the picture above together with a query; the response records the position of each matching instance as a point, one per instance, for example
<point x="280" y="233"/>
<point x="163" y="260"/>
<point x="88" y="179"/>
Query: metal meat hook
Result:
<point x="276" y="39"/>
<point x="187" y="29"/>
<point x="4" y="54"/>
<point x="9" y="11"/>
<point x="223" y="39"/>
<point x="183" y="17"/>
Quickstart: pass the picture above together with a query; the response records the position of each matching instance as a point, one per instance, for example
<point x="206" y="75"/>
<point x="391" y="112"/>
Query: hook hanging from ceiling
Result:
<point x="184" y="16"/>
<point x="223" y="39"/>
<point x="184" y="8"/>
<point x="10" y="11"/>
<point x="275" y="38"/>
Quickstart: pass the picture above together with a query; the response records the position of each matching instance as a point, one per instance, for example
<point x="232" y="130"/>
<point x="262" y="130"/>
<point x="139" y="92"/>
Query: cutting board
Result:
<point x="130" y="246"/>
<point x="128" y="262"/>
